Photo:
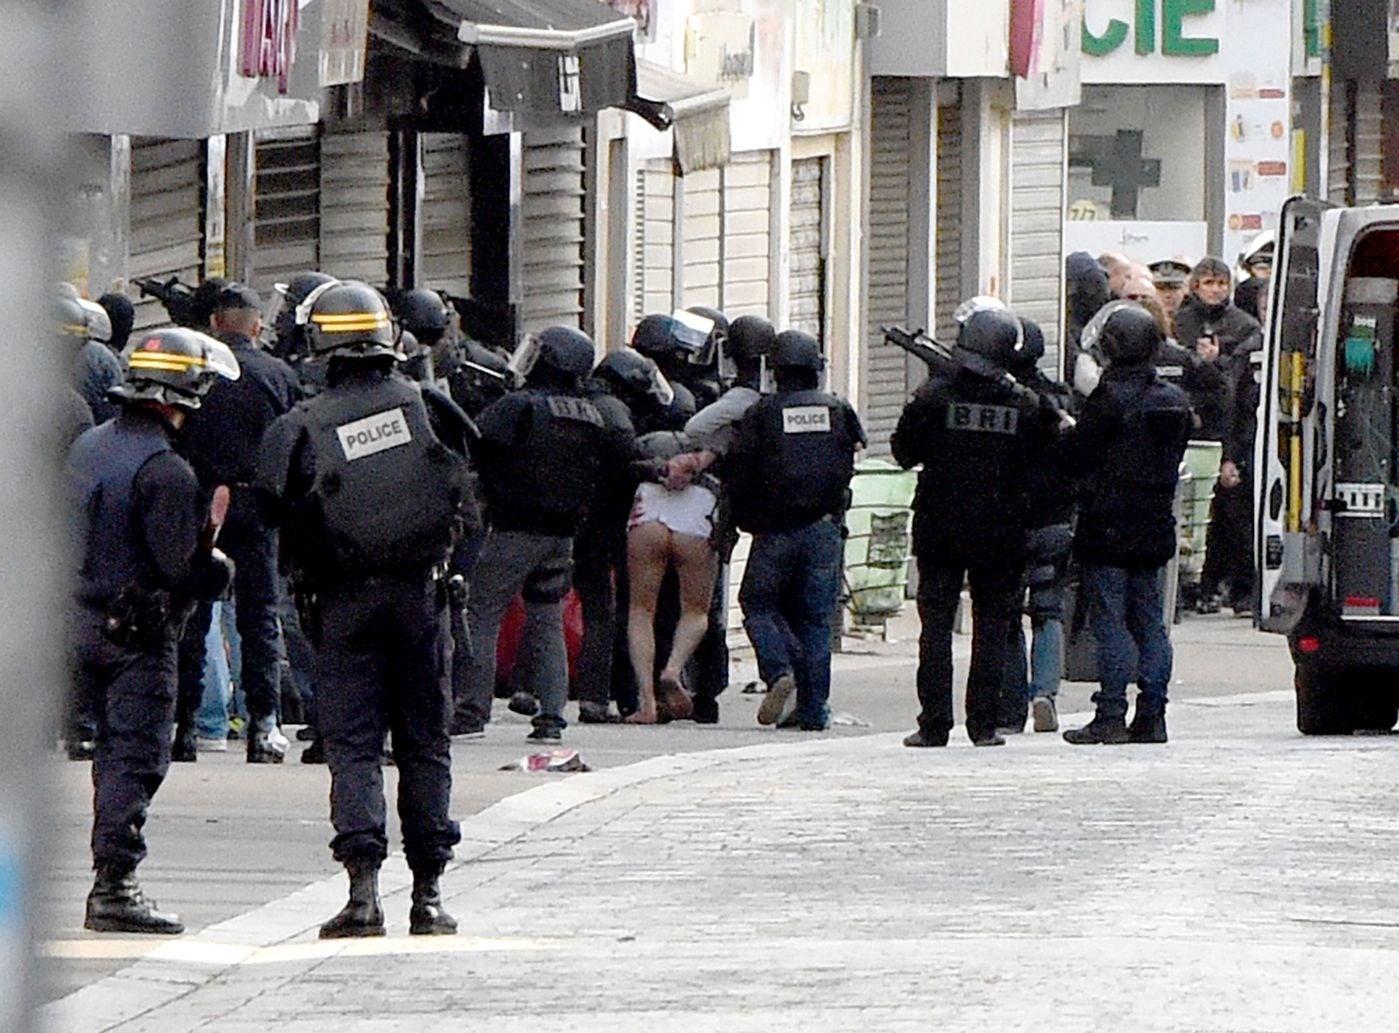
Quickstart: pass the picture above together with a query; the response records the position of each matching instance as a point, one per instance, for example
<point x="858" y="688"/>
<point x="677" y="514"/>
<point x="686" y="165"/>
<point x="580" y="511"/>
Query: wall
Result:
<point x="961" y="38"/>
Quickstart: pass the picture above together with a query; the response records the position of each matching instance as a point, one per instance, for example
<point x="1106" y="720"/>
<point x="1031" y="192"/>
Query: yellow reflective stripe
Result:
<point x="157" y="360"/>
<point x="74" y="328"/>
<point x="351" y="320"/>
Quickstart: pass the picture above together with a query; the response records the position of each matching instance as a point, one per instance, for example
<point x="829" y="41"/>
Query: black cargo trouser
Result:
<point x="130" y="694"/>
<point x="995" y="606"/>
<point x="384" y="668"/>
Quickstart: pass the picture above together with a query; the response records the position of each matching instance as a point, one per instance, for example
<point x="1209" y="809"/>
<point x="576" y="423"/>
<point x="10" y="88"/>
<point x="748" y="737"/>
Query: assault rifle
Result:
<point x="177" y="297"/>
<point x="947" y="362"/>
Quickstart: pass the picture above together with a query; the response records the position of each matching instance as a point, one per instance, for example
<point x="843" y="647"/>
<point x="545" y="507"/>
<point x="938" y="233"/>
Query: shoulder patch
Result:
<point x="806" y="419"/>
<point x="374" y="434"/>
<point x="566" y="407"/>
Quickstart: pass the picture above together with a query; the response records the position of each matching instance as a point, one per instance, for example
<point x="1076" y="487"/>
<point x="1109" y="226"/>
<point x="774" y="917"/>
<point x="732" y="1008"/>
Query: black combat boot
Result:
<point x="362" y="914"/>
<point x="117" y="905"/>
<point x="426" y="917"/>
<point x="1103" y="729"/>
<point x="1148" y="723"/>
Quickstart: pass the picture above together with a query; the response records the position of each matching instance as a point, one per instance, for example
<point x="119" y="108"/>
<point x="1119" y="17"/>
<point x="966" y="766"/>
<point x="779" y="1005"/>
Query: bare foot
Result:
<point x="675" y="702"/>
<point x="646" y="714"/>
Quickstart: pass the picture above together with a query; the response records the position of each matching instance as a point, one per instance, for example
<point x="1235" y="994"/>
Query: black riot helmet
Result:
<point x="634" y="377"/>
<point x="291" y="337"/>
<point x="750" y="339"/>
<point x="654" y="337"/>
<point x="1031" y="349"/>
<point x="1131" y="337"/>
<point x="993" y="334"/>
<point x="425" y="314"/>
<point x="348" y="319"/>
<point x="795" y="349"/>
<point x="174" y="366"/>
<point x="564" y="351"/>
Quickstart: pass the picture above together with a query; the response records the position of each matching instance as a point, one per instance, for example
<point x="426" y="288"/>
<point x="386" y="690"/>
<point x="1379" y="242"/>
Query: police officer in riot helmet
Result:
<point x="542" y="452"/>
<point x="144" y="535"/>
<point x="95" y="369"/>
<point x="789" y="476"/>
<point x="702" y="369"/>
<point x="1050" y="523"/>
<point x="1127" y="448"/>
<point x="977" y="438"/>
<point x="370" y="484"/>
<point x="638" y="382"/>
<point x="654" y="339"/>
<point x="291" y="341"/>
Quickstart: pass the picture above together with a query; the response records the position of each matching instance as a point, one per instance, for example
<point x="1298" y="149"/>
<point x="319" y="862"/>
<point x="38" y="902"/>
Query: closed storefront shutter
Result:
<point x="354" y="242"/>
<point x="286" y="207"/>
<point x="1338" y="144"/>
<point x="1037" y="173"/>
<point x="886" y="371"/>
<point x="653" y="248"/>
<point x="1368" y="153"/>
<point x="746" y="243"/>
<point x="166" y="217"/>
<point x="807" y="273"/>
<point x="446" y="216"/>
<point x="949" y="220"/>
<point x="552" y="221"/>
<point x="701" y="243"/>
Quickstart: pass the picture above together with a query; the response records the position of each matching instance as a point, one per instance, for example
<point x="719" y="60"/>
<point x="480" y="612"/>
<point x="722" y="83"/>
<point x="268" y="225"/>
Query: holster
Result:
<point x="138" y="618"/>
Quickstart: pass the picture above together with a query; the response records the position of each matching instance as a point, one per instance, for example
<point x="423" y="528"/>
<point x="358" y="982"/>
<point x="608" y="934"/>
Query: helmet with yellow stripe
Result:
<point x="174" y="366"/>
<point x="348" y="319"/>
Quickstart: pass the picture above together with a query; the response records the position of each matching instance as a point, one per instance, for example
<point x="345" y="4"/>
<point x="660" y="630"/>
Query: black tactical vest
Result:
<point x="102" y="468"/>
<point x="388" y="493"/>
<point x="810" y="458"/>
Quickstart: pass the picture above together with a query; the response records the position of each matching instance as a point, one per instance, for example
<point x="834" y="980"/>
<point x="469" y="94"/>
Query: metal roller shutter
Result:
<point x="886" y="297"/>
<point x="552" y="223"/>
<point x="446" y="217"/>
<point x="167" y="220"/>
<point x="949" y="219"/>
<point x="745" y="249"/>
<point x="1037" y="171"/>
<point x="653" y="247"/>
<point x="1367" y="155"/>
<point x="807" y="272"/>
<point x="701" y="241"/>
<point x="1338" y="143"/>
<point x="286" y="207"/>
<point x="354" y="242"/>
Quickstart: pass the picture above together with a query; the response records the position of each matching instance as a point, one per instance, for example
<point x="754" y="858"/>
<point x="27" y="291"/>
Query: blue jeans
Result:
<point x="1046" y="658"/>
<point x="212" y="720"/>
<point x="1124" y="611"/>
<point x="793" y="577"/>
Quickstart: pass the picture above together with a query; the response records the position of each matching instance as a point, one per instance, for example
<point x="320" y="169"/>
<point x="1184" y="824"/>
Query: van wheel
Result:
<point x="1322" y="702"/>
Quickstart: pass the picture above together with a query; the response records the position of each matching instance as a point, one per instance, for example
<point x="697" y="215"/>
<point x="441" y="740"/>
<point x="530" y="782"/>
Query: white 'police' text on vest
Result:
<point x="374" y="434"/>
<point x="806" y="419"/>
<point x="566" y="407"/>
<point x="983" y="419"/>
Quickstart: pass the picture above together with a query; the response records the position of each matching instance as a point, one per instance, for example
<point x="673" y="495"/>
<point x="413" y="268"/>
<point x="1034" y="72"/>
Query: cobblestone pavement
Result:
<point x="1240" y="878"/>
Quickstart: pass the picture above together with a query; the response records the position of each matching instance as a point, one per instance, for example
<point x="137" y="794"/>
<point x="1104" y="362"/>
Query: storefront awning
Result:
<point x="696" y="111"/>
<point x="554" y="57"/>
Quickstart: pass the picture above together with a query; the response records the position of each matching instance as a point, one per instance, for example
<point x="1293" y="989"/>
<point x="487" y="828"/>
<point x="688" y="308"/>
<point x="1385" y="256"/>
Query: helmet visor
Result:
<point x="219" y="358"/>
<point x="1091" y="339"/>
<point x="661" y="390"/>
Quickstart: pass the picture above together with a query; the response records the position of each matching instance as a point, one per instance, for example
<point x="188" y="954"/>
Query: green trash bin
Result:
<point x="880" y="523"/>
<point x="1202" y="466"/>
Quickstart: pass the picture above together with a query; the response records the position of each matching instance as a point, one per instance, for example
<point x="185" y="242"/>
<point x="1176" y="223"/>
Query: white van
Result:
<point x="1326" y="477"/>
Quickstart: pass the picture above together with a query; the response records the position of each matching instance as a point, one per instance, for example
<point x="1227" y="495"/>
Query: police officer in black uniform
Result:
<point x="541" y="454"/>
<point x="978" y="437"/>
<point x="1127" y="447"/>
<point x="222" y="443"/>
<point x="291" y="342"/>
<point x="145" y="549"/>
<point x="370" y="487"/>
<point x="789" y="476"/>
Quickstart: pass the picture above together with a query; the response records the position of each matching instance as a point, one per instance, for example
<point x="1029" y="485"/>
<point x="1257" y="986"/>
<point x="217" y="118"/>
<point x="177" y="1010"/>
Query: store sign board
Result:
<point x="1046" y="53"/>
<point x="1146" y="41"/>
<point x="344" y="37"/>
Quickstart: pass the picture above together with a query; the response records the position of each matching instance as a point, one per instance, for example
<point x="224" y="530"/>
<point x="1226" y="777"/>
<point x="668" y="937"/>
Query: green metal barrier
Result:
<point x="876" y="552"/>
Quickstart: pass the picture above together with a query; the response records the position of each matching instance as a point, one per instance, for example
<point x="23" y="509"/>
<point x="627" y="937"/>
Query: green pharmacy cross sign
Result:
<point x="1172" y="17"/>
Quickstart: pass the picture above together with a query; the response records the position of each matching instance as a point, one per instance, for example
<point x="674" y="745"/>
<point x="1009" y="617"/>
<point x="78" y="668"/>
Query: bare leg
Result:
<point x="647" y="552"/>
<point x="696" y="564"/>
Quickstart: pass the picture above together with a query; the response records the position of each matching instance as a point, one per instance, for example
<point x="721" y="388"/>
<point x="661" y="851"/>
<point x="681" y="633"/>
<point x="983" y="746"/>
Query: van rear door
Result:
<point x="1286" y="548"/>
